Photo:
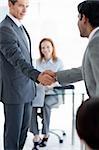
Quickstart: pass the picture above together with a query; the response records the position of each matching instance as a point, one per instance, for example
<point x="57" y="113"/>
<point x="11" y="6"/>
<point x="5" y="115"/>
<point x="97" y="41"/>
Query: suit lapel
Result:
<point x="29" y="43"/>
<point x="21" y="37"/>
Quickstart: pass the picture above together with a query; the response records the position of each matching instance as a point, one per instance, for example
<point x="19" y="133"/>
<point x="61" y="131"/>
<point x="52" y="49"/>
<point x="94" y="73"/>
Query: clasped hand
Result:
<point x="47" y="77"/>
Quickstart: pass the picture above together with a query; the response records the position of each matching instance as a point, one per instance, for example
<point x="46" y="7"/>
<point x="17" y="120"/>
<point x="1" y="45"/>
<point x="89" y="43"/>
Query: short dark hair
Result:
<point x="13" y="1"/>
<point x="90" y="8"/>
<point x="87" y="122"/>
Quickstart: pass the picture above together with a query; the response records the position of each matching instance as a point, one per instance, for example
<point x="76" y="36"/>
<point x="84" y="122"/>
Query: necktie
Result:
<point x="22" y="30"/>
<point x="26" y="38"/>
<point x="21" y="27"/>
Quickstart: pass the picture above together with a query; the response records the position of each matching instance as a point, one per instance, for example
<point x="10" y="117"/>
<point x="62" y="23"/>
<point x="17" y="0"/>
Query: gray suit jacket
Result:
<point x="17" y="74"/>
<point x="89" y="71"/>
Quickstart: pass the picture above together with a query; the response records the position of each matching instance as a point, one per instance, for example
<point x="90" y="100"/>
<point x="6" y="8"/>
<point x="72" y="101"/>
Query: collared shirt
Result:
<point x="49" y="65"/>
<point x="93" y="32"/>
<point x="16" y="21"/>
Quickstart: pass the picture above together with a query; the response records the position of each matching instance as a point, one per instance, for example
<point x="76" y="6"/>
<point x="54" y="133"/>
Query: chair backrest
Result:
<point x="54" y="98"/>
<point x="60" y="92"/>
<point x="60" y="97"/>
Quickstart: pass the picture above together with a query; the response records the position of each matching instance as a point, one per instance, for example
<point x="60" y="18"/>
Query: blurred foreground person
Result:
<point x="87" y="123"/>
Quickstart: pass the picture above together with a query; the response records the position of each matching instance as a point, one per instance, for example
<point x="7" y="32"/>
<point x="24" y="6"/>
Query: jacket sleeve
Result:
<point x="69" y="76"/>
<point x="10" y="50"/>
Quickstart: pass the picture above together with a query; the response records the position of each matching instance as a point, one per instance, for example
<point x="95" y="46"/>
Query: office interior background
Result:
<point x="56" y="19"/>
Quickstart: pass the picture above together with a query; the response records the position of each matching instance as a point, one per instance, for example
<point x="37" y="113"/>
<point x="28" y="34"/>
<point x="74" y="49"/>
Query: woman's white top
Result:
<point x="46" y="90"/>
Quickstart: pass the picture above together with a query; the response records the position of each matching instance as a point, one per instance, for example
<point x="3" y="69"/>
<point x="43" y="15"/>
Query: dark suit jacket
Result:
<point x="18" y="76"/>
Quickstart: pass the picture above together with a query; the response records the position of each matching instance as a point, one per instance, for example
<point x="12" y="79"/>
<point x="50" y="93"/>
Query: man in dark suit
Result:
<point x="17" y="75"/>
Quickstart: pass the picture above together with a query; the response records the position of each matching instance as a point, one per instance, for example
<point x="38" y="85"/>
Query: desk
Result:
<point x="62" y="89"/>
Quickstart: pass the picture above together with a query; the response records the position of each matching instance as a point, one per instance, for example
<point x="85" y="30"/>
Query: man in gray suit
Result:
<point x="88" y="23"/>
<point x="17" y="76"/>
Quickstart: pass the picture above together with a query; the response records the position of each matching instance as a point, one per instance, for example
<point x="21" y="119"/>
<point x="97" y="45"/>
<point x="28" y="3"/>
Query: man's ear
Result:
<point x="9" y="3"/>
<point x="85" y="19"/>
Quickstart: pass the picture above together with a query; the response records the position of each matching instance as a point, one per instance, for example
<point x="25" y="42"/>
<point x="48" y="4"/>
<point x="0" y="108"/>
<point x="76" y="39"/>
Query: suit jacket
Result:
<point x="89" y="71"/>
<point x="18" y="76"/>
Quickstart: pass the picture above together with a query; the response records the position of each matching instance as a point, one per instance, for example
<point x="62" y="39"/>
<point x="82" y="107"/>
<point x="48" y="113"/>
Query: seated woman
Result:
<point x="87" y="123"/>
<point x="47" y="61"/>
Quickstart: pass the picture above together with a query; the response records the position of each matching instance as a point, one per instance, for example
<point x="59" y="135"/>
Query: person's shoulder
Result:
<point x="38" y="61"/>
<point x="3" y="22"/>
<point x="59" y="59"/>
<point x="6" y="24"/>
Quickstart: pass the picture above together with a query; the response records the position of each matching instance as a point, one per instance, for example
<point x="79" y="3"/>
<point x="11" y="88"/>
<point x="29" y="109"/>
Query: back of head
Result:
<point x="90" y="8"/>
<point x="87" y="122"/>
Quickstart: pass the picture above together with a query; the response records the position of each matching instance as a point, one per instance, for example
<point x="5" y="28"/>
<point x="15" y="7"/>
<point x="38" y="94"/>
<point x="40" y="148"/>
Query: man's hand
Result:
<point x="46" y="78"/>
<point x="51" y="73"/>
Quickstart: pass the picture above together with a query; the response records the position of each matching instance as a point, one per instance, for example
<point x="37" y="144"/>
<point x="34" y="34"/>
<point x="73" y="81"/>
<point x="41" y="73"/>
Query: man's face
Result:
<point x="82" y="25"/>
<point x="18" y="10"/>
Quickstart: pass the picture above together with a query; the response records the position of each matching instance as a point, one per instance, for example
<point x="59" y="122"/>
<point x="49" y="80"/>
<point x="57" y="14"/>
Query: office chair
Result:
<point x="60" y="91"/>
<point x="60" y="100"/>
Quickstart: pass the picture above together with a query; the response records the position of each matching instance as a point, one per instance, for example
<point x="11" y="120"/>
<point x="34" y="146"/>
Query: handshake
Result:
<point x="47" y="77"/>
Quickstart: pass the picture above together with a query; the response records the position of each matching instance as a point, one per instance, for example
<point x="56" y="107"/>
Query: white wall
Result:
<point x="56" y="19"/>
